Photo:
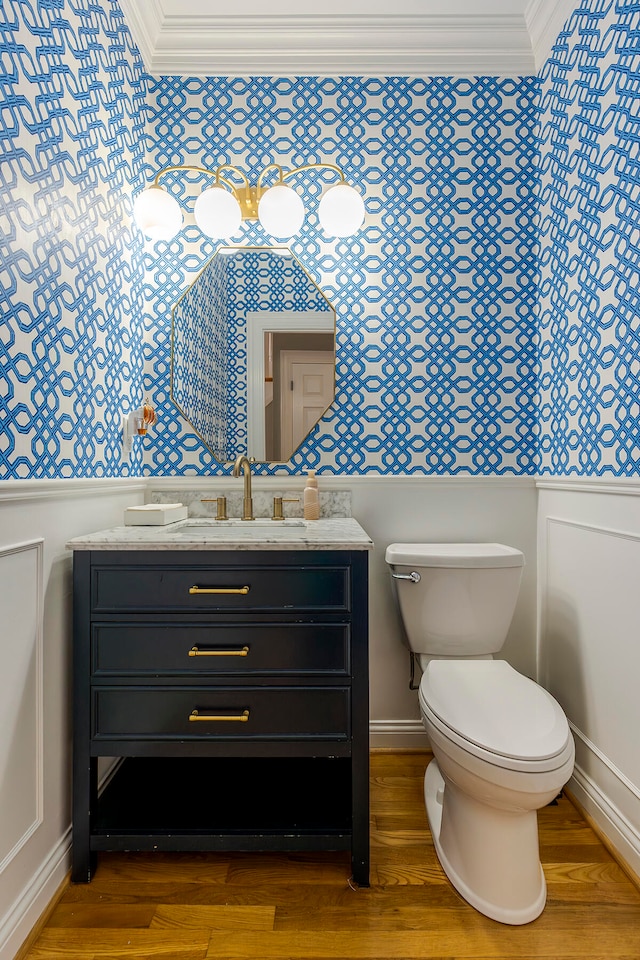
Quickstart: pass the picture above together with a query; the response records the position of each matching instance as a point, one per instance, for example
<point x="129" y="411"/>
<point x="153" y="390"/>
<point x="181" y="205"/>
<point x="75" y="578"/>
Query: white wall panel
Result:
<point x="592" y="627"/>
<point x="21" y="773"/>
<point x="36" y="519"/>
<point x="589" y="643"/>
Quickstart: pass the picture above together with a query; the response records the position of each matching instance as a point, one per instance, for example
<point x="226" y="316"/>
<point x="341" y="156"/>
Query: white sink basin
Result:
<point x="240" y="529"/>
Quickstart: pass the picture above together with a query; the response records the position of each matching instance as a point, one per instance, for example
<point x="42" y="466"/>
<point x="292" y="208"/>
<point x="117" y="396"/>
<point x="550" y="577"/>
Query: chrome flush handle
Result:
<point x="414" y="576"/>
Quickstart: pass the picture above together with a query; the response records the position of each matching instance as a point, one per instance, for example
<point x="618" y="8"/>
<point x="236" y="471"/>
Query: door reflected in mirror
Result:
<point x="253" y="354"/>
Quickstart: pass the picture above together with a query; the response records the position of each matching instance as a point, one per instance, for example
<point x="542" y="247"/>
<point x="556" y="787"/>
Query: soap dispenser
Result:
<point x="311" y="500"/>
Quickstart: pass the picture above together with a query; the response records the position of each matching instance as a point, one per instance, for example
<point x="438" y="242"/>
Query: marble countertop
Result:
<point x="331" y="533"/>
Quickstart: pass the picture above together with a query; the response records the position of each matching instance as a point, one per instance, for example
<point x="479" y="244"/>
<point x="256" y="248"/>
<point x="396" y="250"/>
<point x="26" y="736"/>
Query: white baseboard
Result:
<point x="398" y="735"/>
<point x="34" y="899"/>
<point x="24" y="914"/>
<point x="618" y="830"/>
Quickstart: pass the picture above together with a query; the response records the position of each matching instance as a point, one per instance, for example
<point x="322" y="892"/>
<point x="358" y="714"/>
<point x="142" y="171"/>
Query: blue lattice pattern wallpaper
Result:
<point x="70" y="153"/>
<point x="200" y="343"/>
<point x="435" y="297"/>
<point x="438" y="360"/>
<point x="589" y="358"/>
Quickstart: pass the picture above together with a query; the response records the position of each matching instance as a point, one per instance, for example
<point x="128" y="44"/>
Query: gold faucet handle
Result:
<point x="278" y="513"/>
<point x="221" y="506"/>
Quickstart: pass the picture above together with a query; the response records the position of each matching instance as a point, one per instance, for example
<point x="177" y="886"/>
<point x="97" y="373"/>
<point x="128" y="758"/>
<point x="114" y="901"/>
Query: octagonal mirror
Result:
<point x="253" y="354"/>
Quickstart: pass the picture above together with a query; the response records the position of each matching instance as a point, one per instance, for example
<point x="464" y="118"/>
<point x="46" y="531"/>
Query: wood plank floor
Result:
<point x="301" y="907"/>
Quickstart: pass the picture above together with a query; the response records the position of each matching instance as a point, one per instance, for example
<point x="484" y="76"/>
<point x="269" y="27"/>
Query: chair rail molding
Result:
<point x="63" y="489"/>
<point x="615" y="486"/>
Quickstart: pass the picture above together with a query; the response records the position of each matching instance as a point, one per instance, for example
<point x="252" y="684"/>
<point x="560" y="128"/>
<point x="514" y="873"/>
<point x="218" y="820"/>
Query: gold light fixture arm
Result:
<point x="183" y="166"/>
<point x="270" y="166"/>
<point x="246" y="195"/>
<point x="284" y="175"/>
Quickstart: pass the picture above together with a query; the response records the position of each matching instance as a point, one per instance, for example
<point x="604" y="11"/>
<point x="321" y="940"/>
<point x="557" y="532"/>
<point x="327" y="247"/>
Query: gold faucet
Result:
<point x="244" y="464"/>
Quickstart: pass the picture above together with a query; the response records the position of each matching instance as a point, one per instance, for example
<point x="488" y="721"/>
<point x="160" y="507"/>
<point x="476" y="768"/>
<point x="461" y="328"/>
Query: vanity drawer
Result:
<point x="161" y="649"/>
<point x="247" y="713"/>
<point x="199" y="587"/>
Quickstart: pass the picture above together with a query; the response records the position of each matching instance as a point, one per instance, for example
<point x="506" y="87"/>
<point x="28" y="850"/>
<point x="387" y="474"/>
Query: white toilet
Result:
<point x="501" y="744"/>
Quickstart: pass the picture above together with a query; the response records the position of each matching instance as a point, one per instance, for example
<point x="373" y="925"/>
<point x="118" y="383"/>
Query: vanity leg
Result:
<point x="85" y="792"/>
<point x="360" y="820"/>
<point x="85" y="767"/>
<point x="360" y="825"/>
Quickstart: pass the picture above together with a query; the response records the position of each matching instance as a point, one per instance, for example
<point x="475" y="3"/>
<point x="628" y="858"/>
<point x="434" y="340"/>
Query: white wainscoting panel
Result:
<point x="592" y="626"/>
<point x="21" y="708"/>
<point x="589" y="646"/>
<point x="37" y="517"/>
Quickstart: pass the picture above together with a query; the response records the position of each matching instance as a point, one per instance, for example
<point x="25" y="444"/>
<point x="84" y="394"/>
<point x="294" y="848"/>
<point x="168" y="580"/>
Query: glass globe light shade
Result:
<point x="341" y="211"/>
<point x="281" y="211"/>
<point x="157" y="213"/>
<point x="217" y="212"/>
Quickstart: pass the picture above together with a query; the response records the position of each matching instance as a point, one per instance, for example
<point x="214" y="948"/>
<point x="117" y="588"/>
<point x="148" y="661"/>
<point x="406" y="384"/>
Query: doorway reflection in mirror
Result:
<point x="253" y="354"/>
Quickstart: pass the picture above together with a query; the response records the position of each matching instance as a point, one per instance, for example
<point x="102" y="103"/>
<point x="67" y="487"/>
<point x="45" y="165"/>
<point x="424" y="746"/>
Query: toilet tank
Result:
<point x="464" y="601"/>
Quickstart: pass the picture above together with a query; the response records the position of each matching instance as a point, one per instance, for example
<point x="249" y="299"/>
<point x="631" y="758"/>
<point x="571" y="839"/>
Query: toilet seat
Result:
<point x="496" y="714"/>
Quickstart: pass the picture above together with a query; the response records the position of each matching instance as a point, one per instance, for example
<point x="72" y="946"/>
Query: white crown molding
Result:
<point x="190" y="39"/>
<point x="544" y="20"/>
<point x="145" y="21"/>
<point x="211" y="44"/>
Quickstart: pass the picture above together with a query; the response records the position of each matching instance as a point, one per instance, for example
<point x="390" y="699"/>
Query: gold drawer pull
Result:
<point x="194" y="715"/>
<point x="197" y="652"/>
<point x="243" y="590"/>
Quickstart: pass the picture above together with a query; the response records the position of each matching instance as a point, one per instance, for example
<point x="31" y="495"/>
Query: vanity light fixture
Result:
<point x="221" y="207"/>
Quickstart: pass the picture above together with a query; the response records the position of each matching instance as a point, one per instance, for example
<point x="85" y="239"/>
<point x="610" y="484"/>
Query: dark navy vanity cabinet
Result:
<point x="232" y="687"/>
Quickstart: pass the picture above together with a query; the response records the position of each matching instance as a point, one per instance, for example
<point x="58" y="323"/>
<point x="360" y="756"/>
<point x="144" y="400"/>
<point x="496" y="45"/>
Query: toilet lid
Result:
<point x="454" y="555"/>
<point x="490" y="704"/>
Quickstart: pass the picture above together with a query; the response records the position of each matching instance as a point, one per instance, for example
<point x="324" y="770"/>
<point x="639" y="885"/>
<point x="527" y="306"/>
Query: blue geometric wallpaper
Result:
<point x="435" y="296"/>
<point x="589" y="357"/>
<point x="70" y="272"/>
<point x="487" y="312"/>
<point x="199" y="369"/>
